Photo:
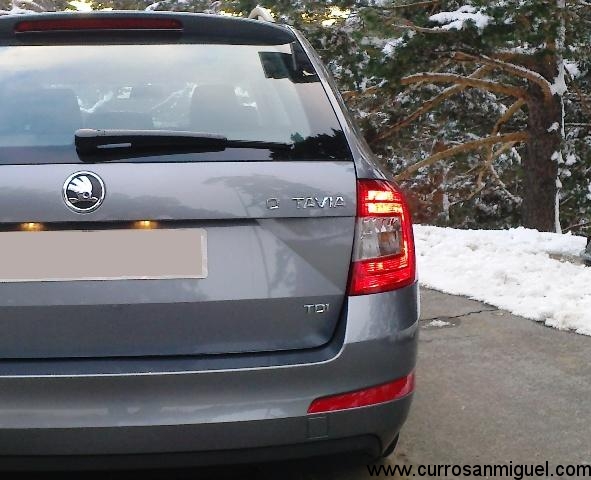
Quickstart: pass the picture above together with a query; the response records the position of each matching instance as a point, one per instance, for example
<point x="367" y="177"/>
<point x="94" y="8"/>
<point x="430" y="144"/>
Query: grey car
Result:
<point x="586" y="254"/>
<point x="201" y="260"/>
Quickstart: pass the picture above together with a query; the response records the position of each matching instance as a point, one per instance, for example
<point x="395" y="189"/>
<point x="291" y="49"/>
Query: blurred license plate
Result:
<point x="52" y="256"/>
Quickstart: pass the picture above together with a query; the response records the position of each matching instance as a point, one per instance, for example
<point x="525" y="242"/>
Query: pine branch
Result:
<point x="512" y="110"/>
<point x="469" y="82"/>
<point x="511" y="68"/>
<point x="515" y="137"/>
<point x="428" y="106"/>
<point x="350" y="94"/>
<point x="29" y="5"/>
<point x="427" y="3"/>
<point x="416" y="28"/>
<point x="522" y="59"/>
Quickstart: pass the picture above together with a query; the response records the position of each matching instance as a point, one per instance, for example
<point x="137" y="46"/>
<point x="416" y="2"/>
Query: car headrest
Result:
<point x="146" y="92"/>
<point x="217" y="109"/>
<point x="43" y="111"/>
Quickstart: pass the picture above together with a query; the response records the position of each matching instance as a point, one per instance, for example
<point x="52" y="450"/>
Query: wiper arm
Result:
<point x="91" y="141"/>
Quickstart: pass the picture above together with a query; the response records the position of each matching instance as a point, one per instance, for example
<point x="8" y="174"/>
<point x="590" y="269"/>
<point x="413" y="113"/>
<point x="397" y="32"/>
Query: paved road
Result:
<point x="495" y="388"/>
<point x="492" y="388"/>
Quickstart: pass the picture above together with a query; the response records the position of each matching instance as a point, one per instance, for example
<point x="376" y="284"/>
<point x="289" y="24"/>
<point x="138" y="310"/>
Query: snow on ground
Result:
<point x="510" y="269"/>
<point x="439" y="324"/>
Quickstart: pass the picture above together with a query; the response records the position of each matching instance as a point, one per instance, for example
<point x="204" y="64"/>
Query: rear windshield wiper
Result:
<point x="91" y="141"/>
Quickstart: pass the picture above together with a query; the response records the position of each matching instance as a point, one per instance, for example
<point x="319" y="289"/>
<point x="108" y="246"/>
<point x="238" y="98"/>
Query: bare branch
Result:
<point x="465" y="147"/>
<point x="527" y="60"/>
<point x="427" y="106"/>
<point x="511" y="68"/>
<point x="469" y="197"/>
<point x="580" y="224"/>
<point x="491" y="155"/>
<point x="508" y="115"/>
<point x="416" y="28"/>
<point x="427" y="3"/>
<point x="503" y="186"/>
<point x="470" y="82"/>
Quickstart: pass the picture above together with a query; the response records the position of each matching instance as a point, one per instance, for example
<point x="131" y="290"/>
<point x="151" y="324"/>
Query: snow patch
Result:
<point x="16" y="11"/>
<point x="554" y="128"/>
<point x="559" y="86"/>
<point x="510" y="269"/>
<point x="571" y="159"/>
<point x="458" y="19"/>
<point x="392" y="45"/>
<point x="438" y="324"/>
<point x="572" y="68"/>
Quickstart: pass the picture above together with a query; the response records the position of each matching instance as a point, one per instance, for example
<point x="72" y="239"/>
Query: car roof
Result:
<point x="195" y="26"/>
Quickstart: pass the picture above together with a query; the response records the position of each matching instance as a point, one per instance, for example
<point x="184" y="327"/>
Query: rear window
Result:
<point x="244" y="92"/>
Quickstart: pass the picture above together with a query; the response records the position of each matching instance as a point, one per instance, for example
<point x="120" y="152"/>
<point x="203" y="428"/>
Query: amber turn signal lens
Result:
<point x="145" y="224"/>
<point x="31" y="226"/>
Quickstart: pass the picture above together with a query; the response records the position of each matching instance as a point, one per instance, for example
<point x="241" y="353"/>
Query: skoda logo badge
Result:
<point x="84" y="192"/>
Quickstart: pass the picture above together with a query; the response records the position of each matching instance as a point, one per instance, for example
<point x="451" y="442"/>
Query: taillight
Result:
<point x="384" y="253"/>
<point x="72" y="24"/>
<point x="364" y="398"/>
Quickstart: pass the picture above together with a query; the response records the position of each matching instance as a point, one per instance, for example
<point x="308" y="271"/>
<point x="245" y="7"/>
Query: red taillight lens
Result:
<point x="364" y="398"/>
<point x="71" y="24"/>
<point x="384" y="253"/>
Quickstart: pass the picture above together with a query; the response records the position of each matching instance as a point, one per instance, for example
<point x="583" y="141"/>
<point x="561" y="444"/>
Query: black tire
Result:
<point x="390" y="448"/>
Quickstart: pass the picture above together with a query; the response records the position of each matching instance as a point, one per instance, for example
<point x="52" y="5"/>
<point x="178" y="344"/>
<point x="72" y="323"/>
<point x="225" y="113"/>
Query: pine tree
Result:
<point x="518" y="52"/>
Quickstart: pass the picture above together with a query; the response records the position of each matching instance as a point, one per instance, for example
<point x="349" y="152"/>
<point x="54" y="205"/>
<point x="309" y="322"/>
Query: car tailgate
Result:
<point x="278" y="247"/>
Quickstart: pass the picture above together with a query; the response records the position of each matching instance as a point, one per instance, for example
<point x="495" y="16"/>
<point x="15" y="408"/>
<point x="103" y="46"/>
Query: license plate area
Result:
<point x="122" y="254"/>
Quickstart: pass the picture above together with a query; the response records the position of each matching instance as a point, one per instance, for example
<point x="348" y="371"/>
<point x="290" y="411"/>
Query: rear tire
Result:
<point x="390" y="448"/>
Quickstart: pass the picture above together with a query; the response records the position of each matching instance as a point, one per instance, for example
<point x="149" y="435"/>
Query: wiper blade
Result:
<point x="91" y="141"/>
<point x="259" y="144"/>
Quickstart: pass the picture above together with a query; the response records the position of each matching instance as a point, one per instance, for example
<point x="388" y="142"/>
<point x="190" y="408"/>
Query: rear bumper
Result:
<point x="177" y="446"/>
<point x="241" y="414"/>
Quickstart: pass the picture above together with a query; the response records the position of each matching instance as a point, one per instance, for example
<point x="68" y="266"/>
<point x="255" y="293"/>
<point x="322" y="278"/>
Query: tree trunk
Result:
<point x="540" y="165"/>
